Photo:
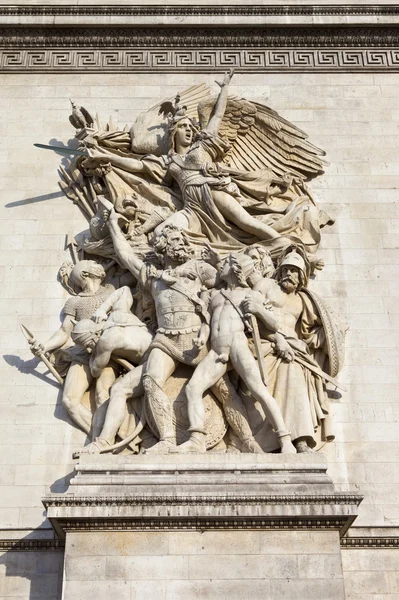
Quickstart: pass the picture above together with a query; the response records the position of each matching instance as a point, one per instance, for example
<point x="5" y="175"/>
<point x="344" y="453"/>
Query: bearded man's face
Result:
<point x="289" y="279"/>
<point x="176" y="247"/>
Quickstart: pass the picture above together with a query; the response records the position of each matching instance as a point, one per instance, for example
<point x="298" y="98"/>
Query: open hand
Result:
<point x="227" y="78"/>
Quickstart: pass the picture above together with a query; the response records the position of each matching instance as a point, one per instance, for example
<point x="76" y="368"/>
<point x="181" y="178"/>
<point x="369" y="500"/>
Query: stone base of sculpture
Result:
<point x="206" y="526"/>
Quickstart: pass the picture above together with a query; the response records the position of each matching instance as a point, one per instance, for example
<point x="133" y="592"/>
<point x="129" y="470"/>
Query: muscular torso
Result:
<point x="286" y="307"/>
<point x="226" y="320"/>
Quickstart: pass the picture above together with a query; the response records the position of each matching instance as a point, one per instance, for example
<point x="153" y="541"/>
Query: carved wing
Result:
<point x="89" y="119"/>
<point x="149" y="133"/>
<point x="261" y="138"/>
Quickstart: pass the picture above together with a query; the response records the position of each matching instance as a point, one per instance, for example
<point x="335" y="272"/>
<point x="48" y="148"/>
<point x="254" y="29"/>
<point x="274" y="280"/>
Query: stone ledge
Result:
<point x="212" y="491"/>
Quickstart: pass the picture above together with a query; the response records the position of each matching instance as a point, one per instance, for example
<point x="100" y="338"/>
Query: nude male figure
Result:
<point x="119" y="335"/>
<point x="229" y="343"/>
<point x="181" y="316"/>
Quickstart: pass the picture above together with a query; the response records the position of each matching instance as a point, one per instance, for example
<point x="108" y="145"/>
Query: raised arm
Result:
<point x="123" y="250"/>
<point x="220" y="106"/>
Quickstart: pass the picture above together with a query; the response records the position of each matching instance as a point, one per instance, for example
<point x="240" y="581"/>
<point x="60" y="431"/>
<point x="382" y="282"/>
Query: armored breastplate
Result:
<point x="176" y="314"/>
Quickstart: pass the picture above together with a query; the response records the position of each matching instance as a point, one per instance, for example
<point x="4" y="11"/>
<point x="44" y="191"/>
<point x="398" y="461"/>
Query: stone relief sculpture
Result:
<point x="194" y="321"/>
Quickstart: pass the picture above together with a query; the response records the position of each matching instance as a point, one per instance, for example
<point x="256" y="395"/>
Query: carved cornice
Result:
<point x="145" y="524"/>
<point x="31" y="545"/>
<point x="369" y="542"/>
<point x="230" y="500"/>
<point x="176" y="10"/>
<point x="204" y="37"/>
<point x="361" y="38"/>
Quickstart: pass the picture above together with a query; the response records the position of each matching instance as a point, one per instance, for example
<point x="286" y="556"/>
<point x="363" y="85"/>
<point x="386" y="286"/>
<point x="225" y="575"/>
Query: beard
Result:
<point x="178" y="255"/>
<point x="288" y="284"/>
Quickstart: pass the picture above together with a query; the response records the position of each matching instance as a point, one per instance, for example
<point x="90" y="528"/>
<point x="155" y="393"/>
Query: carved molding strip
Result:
<point x="31" y="545"/>
<point x="370" y="542"/>
<point x="197" y="524"/>
<point x="130" y="500"/>
<point x="272" y="10"/>
<point x="199" y="61"/>
<point x="146" y="38"/>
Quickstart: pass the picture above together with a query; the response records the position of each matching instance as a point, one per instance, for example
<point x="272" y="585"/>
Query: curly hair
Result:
<point x="242" y="266"/>
<point x="160" y="240"/>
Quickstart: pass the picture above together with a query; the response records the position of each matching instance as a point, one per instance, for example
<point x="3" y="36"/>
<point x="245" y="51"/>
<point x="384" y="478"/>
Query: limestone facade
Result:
<point x="355" y="117"/>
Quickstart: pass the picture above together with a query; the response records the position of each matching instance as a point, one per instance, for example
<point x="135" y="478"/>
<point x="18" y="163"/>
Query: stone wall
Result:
<point x="356" y="120"/>
<point x="227" y="565"/>
<point x="31" y="575"/>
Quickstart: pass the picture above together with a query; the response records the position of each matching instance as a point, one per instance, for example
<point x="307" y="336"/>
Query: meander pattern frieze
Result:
<point x="199" y="60"/>
<point x="176" y="10"/>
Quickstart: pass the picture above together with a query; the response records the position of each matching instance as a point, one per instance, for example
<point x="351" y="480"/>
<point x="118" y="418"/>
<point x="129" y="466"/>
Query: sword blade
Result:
<point x="63" y="151"/>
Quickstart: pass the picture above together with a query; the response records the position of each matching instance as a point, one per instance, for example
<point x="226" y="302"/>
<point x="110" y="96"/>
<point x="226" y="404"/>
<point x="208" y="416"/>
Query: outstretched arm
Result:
<point x="131" y="165"/>
<point x="221" y="103"/>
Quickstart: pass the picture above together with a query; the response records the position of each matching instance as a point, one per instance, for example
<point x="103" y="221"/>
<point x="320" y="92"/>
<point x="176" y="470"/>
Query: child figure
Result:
<point x="229" y="343"/>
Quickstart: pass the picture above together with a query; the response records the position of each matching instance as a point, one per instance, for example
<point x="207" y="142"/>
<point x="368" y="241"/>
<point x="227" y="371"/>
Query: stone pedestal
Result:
<point x="215" y="526"/>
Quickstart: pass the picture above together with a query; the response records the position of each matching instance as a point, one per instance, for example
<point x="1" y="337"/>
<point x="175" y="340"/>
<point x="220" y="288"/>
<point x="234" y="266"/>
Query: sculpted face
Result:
<point x="176" y="247"/>
<point x="289" y="279"/>
<point x="184" y="134"/>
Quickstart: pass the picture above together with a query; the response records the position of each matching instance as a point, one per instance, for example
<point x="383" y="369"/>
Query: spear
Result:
<point x="32" y="340"/>
<point x="72" y="245"/>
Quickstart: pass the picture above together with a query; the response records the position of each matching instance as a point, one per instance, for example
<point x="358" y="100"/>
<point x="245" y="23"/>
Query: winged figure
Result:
<point x="234" y="176"/>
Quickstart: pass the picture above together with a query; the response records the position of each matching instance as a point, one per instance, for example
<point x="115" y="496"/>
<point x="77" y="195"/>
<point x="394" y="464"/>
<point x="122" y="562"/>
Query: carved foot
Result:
<point x="303" y="448"/>
<point x="93" y="448"/>
<point x="196" y="445"/>
<point x="287" y="447"/>
<point x="252" y="446"/>
<point x="162" y="447"/>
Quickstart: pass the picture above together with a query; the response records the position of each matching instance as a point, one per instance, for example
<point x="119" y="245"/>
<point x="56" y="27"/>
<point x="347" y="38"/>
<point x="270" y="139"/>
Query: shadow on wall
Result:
<point x="32" y="567"/>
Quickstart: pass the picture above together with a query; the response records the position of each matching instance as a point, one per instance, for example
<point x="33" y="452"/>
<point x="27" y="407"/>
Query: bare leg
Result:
<point x="160" y="367"/>
<point x="235" y="412"/>
<point x="245" y="365"/>
<point x="234" y="212"/>
<point x="103" y="385"/>
<point x="77" y="382"/>
<point x="129" y="386"/>
<point x="207" y="373"/>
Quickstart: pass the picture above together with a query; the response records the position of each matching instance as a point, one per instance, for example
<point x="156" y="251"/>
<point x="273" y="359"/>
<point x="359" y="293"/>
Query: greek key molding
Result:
<point x="31" y="545"/>
<point x="199" y="61"/>
<point x="369" y="542"/>
<point x="272" y="10"/>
